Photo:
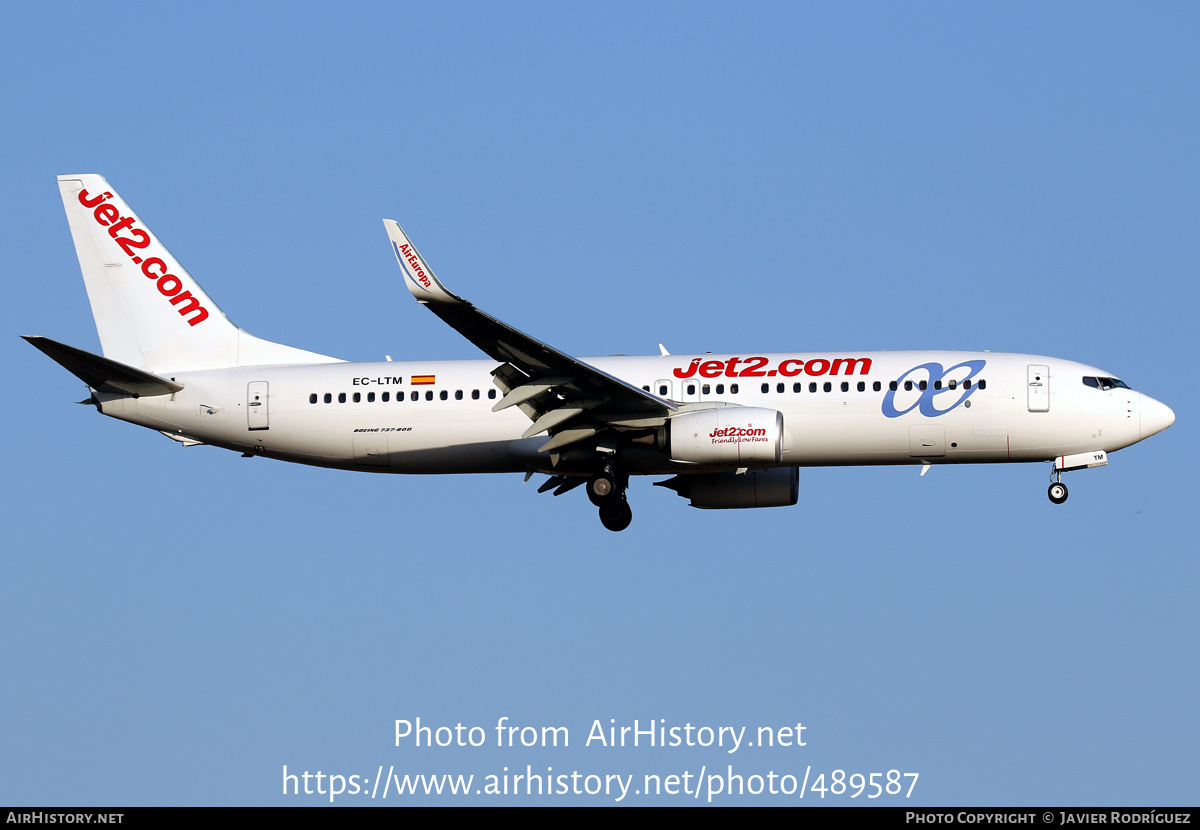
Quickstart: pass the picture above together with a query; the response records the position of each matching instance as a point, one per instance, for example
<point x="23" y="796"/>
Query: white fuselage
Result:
<point x="436" y="416"/>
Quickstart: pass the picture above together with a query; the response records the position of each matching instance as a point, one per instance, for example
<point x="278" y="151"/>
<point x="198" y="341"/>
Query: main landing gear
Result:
<point x="607" y="491"/>
<point x="1058" y="490"/>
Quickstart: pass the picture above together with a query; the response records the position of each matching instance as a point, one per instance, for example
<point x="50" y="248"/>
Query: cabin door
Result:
<point x="1039" y="388"/>
<point x="257" y="415"/>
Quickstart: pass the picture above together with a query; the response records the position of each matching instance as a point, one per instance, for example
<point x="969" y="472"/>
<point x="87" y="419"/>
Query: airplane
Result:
<point x="731" y="430"/>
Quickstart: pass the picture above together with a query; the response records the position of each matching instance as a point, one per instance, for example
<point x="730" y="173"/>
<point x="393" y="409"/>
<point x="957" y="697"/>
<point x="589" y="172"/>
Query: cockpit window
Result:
<point x="1105" y="384"/>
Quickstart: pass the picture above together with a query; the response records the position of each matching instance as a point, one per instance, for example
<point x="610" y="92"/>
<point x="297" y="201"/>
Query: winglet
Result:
<point x="418" y="276"/>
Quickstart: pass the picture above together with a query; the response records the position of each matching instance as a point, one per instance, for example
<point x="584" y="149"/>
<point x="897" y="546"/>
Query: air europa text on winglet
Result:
<point x="407" y="252"/>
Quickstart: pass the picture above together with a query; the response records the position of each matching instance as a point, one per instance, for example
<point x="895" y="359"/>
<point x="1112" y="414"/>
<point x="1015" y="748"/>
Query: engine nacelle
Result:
<point x="732" y="436"/>
<point x="777" y="487"/>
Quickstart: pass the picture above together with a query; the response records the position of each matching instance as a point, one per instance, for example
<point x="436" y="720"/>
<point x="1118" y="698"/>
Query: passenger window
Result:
<point x="491" y="394"/>
<point x="733" y="389"/>
<point x="828" y="386"/>
<point x="779" y="387"/>
<point x="370" y="397"/>
<point x="937" y="384"/>
<point x="924" y="385"/>
<point x="429" y="395"/>
<point x="862" y="387"/>
<point x="766" y="387"/>
<point x="983" y="384"/>
<point x="704" y="388"/>
<point x="458" y="394"/>
<point x="312" y="398"/>
<point x="796" y="387"/>
<point x="967" y="384"/>
<point x="443" y="394"/>
<point x="892" y="385"/>
<point x="691" y="389"/>
<point x="720" y="389"/>
<point x="474" y="394"/>
<point x="328" y="398"/>
<point x="953" y="385"/>
<point x="662" y="391"/>
<point x="358" y="397"/>
<point x="645" y="388"/>
<point x="907" y="386"/>
<point x="845" y="386"/>
<point x="416" y="396"/>
<point x="385" y="397"/>
<point x="877" y="386"/>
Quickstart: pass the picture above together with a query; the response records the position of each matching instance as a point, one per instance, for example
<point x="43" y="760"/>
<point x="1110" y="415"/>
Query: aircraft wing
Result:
<point x="572" y="400"/>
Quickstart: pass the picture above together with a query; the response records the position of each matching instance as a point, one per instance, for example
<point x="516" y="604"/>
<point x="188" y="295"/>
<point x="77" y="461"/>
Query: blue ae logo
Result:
<point x="932" y="390"/>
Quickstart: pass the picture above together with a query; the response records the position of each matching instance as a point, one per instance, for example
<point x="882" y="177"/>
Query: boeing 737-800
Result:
<point x="732" y="430"/>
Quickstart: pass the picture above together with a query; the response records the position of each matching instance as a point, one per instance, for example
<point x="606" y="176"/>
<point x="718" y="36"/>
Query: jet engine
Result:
<point x="776" y="487"/>
<point x="733" y="436"/>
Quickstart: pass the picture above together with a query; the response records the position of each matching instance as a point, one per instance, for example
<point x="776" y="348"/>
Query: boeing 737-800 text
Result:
<point x="731" y="430"/>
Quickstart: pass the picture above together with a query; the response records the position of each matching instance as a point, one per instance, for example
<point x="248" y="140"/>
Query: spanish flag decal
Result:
<point x="423" y="380"/>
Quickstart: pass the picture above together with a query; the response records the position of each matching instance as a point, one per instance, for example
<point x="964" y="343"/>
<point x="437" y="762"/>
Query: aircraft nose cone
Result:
<point x="1155" y="416"/>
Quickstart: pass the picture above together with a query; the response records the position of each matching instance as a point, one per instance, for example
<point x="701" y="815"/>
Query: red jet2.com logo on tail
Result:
<point x="738" y="435"/>
<point x="169" y="285"/>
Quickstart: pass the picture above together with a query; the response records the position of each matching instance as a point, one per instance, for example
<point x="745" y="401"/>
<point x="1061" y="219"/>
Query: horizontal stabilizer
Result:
<point x="102" y="373"/>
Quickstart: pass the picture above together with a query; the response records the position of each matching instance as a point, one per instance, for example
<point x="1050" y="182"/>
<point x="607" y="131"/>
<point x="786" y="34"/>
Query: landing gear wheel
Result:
<point x="1057" y="492"/>
<point x="601" y="488"/>
<point x="615" y="514"/>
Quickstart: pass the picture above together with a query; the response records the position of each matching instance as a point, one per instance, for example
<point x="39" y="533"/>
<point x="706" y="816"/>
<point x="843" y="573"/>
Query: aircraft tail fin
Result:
<point x="150" y="313"/>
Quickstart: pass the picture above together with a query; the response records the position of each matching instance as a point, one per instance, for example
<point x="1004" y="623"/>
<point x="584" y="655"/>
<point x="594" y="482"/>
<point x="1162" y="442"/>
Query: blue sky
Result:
<point x="182" y="623"/>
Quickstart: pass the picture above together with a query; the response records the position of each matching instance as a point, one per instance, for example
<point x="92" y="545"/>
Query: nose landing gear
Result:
<point x="1058" y="490"/>
<point x="1067" y="463"/>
